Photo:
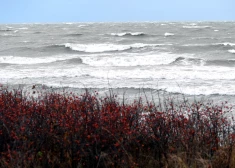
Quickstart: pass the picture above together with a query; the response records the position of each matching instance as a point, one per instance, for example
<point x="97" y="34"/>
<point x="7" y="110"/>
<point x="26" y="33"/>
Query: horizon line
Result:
<point x="75" y="22"/>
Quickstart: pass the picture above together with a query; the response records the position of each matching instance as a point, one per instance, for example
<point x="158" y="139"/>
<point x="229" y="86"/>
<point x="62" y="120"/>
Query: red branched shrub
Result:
<point x="58" y="130"/>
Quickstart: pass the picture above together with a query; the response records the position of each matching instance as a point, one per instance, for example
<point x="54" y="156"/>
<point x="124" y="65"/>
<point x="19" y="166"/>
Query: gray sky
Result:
<point x="30" y="11"/>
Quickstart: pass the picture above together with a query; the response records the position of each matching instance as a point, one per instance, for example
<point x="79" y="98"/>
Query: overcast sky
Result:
<point x="31" y="11"/>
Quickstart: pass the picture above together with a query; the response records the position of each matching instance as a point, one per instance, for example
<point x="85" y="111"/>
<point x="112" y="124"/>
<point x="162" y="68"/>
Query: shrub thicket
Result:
<point x="86" y="131"/>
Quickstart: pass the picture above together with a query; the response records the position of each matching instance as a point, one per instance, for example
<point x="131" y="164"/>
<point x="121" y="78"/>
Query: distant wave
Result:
<point x="228" y="63"/>
<point x="16" y="49"/>
<point x="5" y="30"/>
<point x="97" y="48"/>
<point x="69" y="23"/>
<point x="188" y="61"/>
<point x="227" y="44"/>
<point x="202" y="62"/>
<point x="196" y="45"/>
<point x="196" y="27"/>
<point x="55" y="48"/>
<point x="4" y="65"/>
<point x="82" y="25"/>
<point x="49" y="48"/>
<point x="29" y="60"/>
<point x="74" y="34"/>
<point x="37" y="32"/>
<point x="168" y="34"/>
<point x="77" y="60"/>
<point x="207" y="38"/>
<point x="128" y="34"/>
<point x="8" y="35"/>
<point x="23" y="28"/>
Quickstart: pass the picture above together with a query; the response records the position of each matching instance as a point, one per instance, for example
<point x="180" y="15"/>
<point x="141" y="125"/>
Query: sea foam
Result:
<point x="27" y="60"/>
<point x="131" y="59"/>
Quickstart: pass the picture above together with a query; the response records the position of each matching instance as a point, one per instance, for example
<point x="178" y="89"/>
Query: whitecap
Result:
<point x="216" y="30"/>
<point x="128" y="33"/>
<point x="81" y="25"/>
<point x="227" y="44"/>
<point x="90" y="48"/>
<point x="23" y="28"/>
<point x="6" y="35"/>
<point x="168" y="34"/>
<point x="232" y="51"/>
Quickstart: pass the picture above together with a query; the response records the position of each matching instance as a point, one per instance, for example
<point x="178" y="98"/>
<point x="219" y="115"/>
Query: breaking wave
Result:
<point x="98" y="48"/>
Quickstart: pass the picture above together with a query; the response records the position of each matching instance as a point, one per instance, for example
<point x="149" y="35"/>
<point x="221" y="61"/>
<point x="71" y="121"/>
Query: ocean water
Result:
<point x="194" y="59"/>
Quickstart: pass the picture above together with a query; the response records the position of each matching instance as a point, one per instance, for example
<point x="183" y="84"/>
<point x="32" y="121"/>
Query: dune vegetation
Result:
<point x="90" y="131"/>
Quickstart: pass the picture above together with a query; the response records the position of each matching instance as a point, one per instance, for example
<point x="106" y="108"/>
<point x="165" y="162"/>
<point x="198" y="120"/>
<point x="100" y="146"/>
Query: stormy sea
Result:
<point x="194" y="59"/>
